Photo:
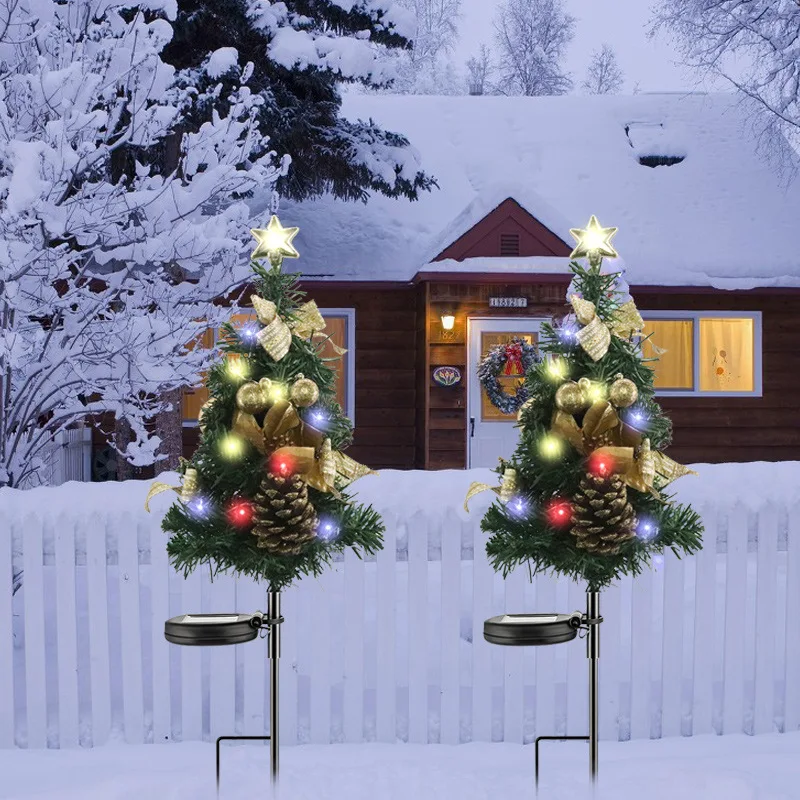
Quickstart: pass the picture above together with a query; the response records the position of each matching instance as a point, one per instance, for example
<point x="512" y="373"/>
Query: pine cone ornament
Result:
<point x="602" y="517"/>
<point x="285" y="520"/>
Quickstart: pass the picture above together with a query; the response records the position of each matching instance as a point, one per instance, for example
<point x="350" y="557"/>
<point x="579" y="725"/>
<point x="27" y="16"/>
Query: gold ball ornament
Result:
<point x="571" y="398"/>
<point x="623" y="392"/>
<point x="251" y="398"/>
<point x="304" y="392"/>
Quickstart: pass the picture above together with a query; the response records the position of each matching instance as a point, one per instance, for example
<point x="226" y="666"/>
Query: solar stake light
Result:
<point x="203" y="630"/>
<point x="524" y="630"/>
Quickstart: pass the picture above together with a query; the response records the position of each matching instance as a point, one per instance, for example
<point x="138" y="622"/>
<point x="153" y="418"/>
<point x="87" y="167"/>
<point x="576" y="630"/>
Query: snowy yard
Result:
<point x="697" y="768"/>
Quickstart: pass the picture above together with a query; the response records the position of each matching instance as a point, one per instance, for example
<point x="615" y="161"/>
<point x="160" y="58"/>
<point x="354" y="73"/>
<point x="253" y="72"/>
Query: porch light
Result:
<point x="448" y="322"/>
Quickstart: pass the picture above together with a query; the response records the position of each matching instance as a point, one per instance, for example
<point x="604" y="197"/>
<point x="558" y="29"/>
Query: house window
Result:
<point x="339" y="327"/>
<point x="704" y="353"/>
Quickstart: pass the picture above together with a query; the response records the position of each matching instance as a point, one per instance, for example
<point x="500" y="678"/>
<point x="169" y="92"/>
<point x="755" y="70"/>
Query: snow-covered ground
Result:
<point x="697" y="768"/>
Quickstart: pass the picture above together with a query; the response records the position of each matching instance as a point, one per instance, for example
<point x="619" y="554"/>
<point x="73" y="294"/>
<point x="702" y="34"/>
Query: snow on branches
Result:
<point x="118" y="227"/>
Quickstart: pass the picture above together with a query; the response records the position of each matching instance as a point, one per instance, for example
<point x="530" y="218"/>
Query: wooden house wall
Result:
<point x="707" y="429"/>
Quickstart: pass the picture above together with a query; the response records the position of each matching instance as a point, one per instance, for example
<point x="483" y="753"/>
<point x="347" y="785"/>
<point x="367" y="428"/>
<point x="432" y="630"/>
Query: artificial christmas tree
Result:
<point x="587" y="499"/>
<point x="582" y="496"/>
<point x="264" y="494"/>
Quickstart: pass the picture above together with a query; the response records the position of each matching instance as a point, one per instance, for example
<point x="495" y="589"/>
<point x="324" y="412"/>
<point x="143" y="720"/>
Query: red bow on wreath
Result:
<point x="513" y="359"/>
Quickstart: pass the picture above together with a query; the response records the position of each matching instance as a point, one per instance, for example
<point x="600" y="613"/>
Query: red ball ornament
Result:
<point x="240" y="513"/>
<point x="559" y="513"/>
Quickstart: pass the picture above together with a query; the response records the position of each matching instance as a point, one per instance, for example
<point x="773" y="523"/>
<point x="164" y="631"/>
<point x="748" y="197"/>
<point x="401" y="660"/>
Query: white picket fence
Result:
<point x="393" y="648"/>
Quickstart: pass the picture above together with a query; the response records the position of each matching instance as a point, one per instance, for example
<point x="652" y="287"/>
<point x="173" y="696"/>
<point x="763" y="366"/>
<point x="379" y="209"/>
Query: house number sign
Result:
<point x="508" y="302"/>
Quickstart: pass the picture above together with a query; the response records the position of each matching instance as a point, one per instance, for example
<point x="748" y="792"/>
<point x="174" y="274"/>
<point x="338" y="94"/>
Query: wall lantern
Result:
<point x="448" y="320"/>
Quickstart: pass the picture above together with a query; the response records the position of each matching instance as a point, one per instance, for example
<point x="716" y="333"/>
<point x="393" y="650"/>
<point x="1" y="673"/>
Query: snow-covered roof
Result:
<point x="721" y="217"/>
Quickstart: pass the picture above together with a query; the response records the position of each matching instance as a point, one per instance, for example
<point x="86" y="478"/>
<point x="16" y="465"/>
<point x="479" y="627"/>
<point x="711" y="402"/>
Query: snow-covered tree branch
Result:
<point x="479" y="71"/>
<point x="532" y="37"/>
<point x="603" y="75"/>
<point x="110" y="263"/>
<point x="753" y="45"/>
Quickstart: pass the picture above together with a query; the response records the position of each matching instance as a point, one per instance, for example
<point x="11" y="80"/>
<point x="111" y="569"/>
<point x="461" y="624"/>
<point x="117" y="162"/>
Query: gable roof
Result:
<point x="718" y="218"/>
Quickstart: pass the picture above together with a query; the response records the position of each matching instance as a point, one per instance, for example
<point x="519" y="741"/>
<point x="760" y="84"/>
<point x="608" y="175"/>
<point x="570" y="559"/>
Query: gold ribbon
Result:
<point x="595" y="336"/>
<point x="186" y="490"/>
<point x="311" y="453"/>
<point x="506" y="490"/>
<point x="603" y="432"/>
<point x="276" y="336"/>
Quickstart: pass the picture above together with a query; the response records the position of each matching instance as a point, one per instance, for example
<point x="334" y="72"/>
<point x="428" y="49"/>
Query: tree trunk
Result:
<point x="123" y="436"/>
<point x="169" y="427"/>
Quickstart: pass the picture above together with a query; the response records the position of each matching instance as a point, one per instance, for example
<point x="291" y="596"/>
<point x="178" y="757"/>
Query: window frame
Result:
<point x="696" y="316"/>
<point x="350" y="345"/>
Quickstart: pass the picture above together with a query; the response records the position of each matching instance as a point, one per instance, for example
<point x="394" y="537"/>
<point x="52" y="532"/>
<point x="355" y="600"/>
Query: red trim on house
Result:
<point x="483" y="238"/>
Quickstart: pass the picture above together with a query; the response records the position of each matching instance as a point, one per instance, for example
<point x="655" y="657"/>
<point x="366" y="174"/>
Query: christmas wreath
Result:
<point x="514" y="358"/>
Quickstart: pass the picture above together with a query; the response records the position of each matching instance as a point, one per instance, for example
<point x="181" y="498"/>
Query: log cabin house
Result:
<point x="706" y="238"/>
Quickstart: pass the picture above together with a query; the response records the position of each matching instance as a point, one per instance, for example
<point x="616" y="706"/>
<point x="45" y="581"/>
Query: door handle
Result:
<point x="471" y="427"/>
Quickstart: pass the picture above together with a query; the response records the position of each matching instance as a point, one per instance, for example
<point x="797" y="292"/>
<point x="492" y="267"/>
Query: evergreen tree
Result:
<point x="264" y="492"/>
<point x="583" y="493"/>
<point x="295" y="56"/>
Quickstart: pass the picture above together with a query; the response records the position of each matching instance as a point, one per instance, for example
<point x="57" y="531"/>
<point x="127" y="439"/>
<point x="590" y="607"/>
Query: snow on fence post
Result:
<point x="735" y="608"/>
<point x="353" y="633"/>
<point x="672" y="649"/>
<point x="610" y="664"/>
<point x="222" y="686"/>
<point x="67" y="631"/>
<point x="190" y="659"/>
<point x="482" y="580"/>
<point x="33" y="589"/>
<point x="641" y="658"/>
<point x="450" y="715"/>
<point x="577" y="670"/>
<point x="321" y="619"/>
<point x="160" y="571"/>
<point x="513" y="661"/>
<point x="791" y="707"/>
<point x="7" y="720"/>
<point x="766" y="578"/>
<point x="99" y="653"/>
<point x="385" y="635"/>
<point x="290" y="632"/>
<point x="130" y="624"/>
<point x="704" y="628"/>
<point x="545" y="721"/>
<point x="418" y="577"/>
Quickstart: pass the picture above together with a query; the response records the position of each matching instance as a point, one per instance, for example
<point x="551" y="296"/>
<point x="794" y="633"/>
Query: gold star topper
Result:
<point x="275" y="241"/>
<point x="594" y="241"/>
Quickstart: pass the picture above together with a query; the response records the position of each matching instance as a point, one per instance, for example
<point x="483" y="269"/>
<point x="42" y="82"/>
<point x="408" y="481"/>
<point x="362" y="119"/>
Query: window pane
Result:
<point x="194" y="398"/>
<point x="509" y="383"/>
<point x="336" y="329"/>
<point x="674" y="337"/>
<point x="727" y="362"/>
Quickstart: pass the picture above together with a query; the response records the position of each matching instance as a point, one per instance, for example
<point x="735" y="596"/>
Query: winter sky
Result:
<point x="620" y="23"/>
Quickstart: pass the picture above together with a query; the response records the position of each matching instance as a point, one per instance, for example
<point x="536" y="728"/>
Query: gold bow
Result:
<point x="311" y="453"/>
<point x="506" y="490"/>
<point x="276" y="336"/>
<point x="603" y="432"/>
<point x="595" y="336"/>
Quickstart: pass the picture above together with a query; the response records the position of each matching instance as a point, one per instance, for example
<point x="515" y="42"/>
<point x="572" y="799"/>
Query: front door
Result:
<point x="491" y="433"/>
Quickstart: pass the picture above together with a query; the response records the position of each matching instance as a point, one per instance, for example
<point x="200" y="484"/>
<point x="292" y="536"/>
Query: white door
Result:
<point x="490" y="433"/>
